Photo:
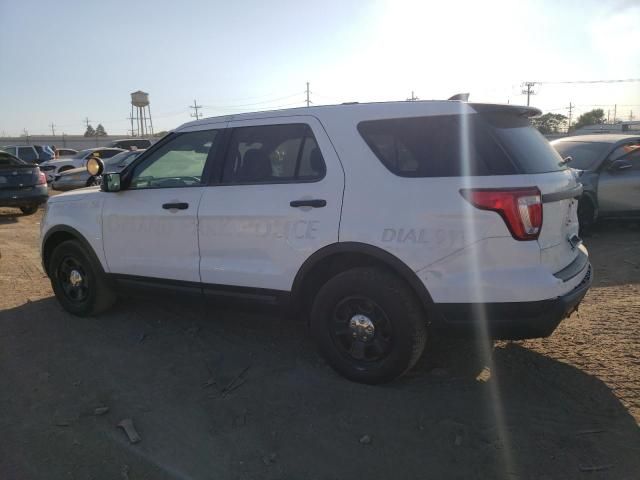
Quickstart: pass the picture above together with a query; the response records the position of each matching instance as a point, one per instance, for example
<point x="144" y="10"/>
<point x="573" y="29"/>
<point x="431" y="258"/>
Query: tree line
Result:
<point x="550" y="123"/>
<point x="99" y="131"/>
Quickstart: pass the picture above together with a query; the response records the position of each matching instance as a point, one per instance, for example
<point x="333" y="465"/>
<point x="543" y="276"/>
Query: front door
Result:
<point x="619" y="190"/>
<point x="150" y="229"/>
<point x="277" y="201"/>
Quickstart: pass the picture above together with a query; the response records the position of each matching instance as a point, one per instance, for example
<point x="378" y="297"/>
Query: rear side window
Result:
<point x="457" y="145"/>
<point x="273" y="154"/>
<point x="27" y="154"/>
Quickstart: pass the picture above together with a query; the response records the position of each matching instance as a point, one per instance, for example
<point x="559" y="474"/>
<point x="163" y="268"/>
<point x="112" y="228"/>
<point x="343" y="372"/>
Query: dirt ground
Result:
<point x="223" y="393"/>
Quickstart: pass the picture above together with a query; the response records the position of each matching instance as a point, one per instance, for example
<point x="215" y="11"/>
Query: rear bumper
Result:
<point x="19" y="198"/>
<point x="512" y="320"/>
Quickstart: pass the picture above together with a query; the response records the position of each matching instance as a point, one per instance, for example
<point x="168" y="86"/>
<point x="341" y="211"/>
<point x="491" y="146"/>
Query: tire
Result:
<point x="586" y="215"/>
<point x="92" y="182"/>
<point x="376" y="355"/>
<point x="29" y="209"/>
<point x="91" y="293"/>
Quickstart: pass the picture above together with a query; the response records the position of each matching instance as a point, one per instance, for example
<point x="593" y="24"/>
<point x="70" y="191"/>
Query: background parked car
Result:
<point x="128" y="143"/>
<point x="609" y="169"/>
<point x="28" y="153"/>
<point x="45" y="153"/>
<point x="65" y="152"/>
<point x="79" y="177"/>
<point x="22" y="184"/>
<point x="53" y="167"/>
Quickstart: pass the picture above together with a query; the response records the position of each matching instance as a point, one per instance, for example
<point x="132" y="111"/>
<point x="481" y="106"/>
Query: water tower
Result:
<point x="141" y="114"/>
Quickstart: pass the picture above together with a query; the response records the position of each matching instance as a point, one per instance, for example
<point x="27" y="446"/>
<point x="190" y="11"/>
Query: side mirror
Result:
<point x="111" y="182"/>
<point x="620" y="165"/>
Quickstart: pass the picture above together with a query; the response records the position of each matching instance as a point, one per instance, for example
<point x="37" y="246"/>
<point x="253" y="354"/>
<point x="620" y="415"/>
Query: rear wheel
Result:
<point x="29" y="209"/>
<point x="78" y="280"/>
<point x="368" y="325"/>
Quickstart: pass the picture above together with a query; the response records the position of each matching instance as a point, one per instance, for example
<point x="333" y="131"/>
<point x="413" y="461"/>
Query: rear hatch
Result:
<point x="543" y="167"/>
<point x="16" y="174"/>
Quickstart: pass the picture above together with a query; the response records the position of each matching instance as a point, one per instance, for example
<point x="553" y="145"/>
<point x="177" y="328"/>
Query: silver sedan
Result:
<point x="79" y="177"/>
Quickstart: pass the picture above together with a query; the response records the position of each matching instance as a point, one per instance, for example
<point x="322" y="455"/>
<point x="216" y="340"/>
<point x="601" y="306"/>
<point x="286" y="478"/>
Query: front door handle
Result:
<point x="175" y="206"/>
<point x="317" y="203"/>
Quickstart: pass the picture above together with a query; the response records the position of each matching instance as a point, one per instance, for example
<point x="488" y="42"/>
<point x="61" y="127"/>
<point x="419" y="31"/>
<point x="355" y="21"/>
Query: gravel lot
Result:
<point x="218" y="392"/>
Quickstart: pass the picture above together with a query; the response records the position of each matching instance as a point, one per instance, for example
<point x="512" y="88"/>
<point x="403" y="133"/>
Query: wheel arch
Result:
<point x="335" y="258"/>
<point x="61" y="233"/>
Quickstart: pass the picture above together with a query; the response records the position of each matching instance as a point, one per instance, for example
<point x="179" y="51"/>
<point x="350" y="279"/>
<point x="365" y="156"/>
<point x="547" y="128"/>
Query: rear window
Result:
<point x="8" y="160"/>
<point x="457" y="145"/>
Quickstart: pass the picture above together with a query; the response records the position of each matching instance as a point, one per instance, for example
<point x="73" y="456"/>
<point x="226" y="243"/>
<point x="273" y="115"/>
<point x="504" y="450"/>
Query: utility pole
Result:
<point x="570" y="113"/>
<point x="608" y="111"/>
<point x="413" y="97"/>
<point x="528" y="91"/>
<point x="631" y="116"/>
<point x="195" y="107"/>
<point x="26" y="134"/>
<point x="615" y="109"/>
<point x="64" y="139"/>
<point x="53" y="129"/>
<point x="308" y="93"/>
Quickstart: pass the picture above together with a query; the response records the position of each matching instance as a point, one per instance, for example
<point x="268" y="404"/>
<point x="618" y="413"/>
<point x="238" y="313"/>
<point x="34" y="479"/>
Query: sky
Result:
<point x="64" y="61"/>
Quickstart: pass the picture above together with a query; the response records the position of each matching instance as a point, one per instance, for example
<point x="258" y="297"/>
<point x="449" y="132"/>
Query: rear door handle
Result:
<point x="317" y="203"/>
<point x="175" y="206"/>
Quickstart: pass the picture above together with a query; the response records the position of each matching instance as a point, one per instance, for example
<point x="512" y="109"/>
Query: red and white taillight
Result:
<point x="520" y="208"/>
<point x="42" y="178"/>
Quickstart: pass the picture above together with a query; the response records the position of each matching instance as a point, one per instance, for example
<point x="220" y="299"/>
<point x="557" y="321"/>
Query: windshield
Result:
<point x="82" y="153"/>
<point x="584" y="155"/>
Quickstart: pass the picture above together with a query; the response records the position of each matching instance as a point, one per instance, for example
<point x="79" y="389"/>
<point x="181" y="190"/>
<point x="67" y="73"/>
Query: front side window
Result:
<point x="27" y="154"/>
<point x="273" y="154"/>
<point x="178" y="163"/>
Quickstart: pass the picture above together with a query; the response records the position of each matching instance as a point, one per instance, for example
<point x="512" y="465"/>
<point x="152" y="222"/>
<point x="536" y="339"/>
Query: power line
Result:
<point x="255" y="103"/>
<point x="625" y="80"/>
<point x="195" y="107"/>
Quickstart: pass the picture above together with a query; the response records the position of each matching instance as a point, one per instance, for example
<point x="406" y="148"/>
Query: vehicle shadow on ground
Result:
<point x="614" y="251"/>
<point x="228" y="393"/>
<point x="7" y="217"/>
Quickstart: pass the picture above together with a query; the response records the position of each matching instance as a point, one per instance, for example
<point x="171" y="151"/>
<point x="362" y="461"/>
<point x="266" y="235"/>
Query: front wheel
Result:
<point x="368" y="325"/>
<point x="78" y="281"/>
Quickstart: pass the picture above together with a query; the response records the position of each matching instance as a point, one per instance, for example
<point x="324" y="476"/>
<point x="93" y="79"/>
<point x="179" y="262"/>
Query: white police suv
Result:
<point x="380" y="222"/>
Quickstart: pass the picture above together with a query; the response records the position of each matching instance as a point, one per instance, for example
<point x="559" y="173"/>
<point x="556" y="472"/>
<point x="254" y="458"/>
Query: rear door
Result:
<point x="277" y="201"/>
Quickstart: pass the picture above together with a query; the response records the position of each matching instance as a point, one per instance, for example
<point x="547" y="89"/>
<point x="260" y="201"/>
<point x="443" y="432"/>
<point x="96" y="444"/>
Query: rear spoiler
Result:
<point x="519" y="110"/>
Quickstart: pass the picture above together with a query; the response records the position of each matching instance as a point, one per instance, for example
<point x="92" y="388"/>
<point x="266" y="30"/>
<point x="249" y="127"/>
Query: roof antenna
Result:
<point x="464" y="97"/>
